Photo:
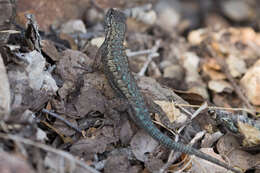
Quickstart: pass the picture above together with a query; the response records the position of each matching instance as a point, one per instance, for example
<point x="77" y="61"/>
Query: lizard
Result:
<point x="115" y="65"/>
<point x="231" y="121"/>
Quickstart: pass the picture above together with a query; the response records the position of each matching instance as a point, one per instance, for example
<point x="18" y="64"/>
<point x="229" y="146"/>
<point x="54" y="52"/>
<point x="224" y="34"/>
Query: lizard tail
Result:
<point x="145" y="122"/>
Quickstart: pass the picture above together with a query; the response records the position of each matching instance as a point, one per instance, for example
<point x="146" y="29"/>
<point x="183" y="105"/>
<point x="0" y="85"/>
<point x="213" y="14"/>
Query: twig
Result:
<point x="63" y="120"/>
<point x="150" y="57"/>
<point x="201" y="108"/>
<point x="87" y="35"/>
<point x="145" y="66"/>
<point x="173" y="158"/>
<point x="138" y="53"/>
<point x="186" y="165"/>
<point x="183" y="109"/>
<point x="216" y="108"/>
<point x="50" y="149"/>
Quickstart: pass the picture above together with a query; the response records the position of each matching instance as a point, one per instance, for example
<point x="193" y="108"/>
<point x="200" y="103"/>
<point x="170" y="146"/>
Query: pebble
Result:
<point x="173" y="71"/>
<point x="220" y="86"/>
<point x="237" y="66"/>
<point x="236" y="10"/>
<point x="168" y="14"/>
<point x="73" y="27"/>
<point x="251" y="83"/>
<point x="97" y="41"/>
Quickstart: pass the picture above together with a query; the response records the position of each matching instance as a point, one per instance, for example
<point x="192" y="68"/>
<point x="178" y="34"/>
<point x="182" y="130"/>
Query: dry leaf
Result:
<point x="171" y="111"/>
<point x="251" y="134"/>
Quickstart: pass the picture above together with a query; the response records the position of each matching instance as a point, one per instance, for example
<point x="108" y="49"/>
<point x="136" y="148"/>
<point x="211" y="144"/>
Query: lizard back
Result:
<point x="116" y="69"/>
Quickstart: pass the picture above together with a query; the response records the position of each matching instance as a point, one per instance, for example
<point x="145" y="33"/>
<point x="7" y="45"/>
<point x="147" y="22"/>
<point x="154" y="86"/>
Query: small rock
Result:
<point x="220" y="86"/>
<point x="165" y="63"/>
<point x="150" y="17"/>
<point x="97" y="41"/>
<point x="251" y="83"/>
<point x="257" y="39"/>
<point x="173" y="71"/>
<point x="195" y="37"/>
<point x="191" y="65"/>
<point x="237" y="66"/>
<point x="73" y="27"/>
<point x="236" y="10"/>
<point x="141" y="144"/>
<point x="93" y="16"/>
<point x="190" y="14"/>
<point x="247" y="34"/>
<point x="216" y="22"/>
<point x="199" y="89"/>
<point x="168" y="14"/>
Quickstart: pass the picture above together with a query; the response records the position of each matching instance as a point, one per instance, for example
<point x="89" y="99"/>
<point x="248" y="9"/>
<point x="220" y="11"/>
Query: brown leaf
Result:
<point x="201" y="164"/>
<point x="171" y="111"/>
<point x="50" y="50"/>
<point x="142" y="143"/>
<point x="126" y="132"/>
<point x="228" y="146"/>
<point x="98" y="143"/>
<point x="116" y="164"/>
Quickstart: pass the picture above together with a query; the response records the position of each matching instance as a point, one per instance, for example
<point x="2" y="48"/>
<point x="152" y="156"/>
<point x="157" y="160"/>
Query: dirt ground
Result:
<point x="196" y="62"/>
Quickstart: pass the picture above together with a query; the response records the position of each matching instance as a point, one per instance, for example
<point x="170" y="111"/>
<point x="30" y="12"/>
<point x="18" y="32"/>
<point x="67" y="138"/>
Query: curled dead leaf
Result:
<point x="171" y="111"/>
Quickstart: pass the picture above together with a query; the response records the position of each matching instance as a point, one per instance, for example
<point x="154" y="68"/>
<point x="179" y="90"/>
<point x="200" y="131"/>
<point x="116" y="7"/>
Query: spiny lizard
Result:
<point x="116" y="69"/>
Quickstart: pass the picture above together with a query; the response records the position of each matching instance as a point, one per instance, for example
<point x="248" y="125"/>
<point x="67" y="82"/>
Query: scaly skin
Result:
<point x="116" y="69"/>
<point x="230" y="121"/>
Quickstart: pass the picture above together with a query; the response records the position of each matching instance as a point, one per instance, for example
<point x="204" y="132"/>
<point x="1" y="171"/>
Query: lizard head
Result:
<point x="116" y="20"/>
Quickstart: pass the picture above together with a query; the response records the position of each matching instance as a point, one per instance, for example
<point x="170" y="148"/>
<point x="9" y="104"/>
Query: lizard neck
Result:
<point x="116" y="46"/>
<point x="115" y="34"/>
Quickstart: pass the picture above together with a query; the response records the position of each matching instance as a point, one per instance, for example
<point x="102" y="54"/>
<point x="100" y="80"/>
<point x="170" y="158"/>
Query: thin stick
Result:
<point x="63" y="120"/>
<point x="153" y="54"/>
<point x="173" y="158"/>
<point x="215" y="107"/>
<point x="50" y="149"/>
<point x="138" y="53"/>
